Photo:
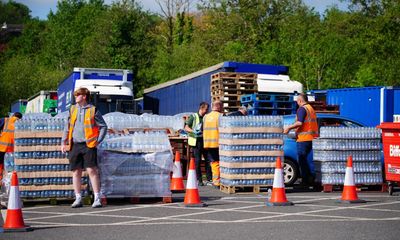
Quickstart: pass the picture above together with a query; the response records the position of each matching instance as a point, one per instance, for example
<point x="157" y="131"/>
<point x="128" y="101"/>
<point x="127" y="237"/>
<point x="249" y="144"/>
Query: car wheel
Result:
<point x="290" y="172"/>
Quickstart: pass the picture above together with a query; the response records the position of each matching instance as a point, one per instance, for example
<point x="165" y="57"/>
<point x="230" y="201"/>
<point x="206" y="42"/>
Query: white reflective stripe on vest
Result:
<point x="177" y="171"/>
<point x="14" y="201"/>
<point x="278" y="178"/>
<point x="192" y="180"/>
<point x="349" y="177"/>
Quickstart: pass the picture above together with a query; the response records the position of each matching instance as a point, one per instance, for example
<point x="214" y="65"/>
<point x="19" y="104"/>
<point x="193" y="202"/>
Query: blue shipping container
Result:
<point x="368" y="105"/>
<point x="185" y="93"/>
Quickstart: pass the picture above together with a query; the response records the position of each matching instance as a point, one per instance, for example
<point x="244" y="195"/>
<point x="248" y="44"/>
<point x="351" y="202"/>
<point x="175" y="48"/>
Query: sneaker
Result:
<point x="200" y="183"/>
<point x="208" y="183"/>
<point x="77" y="203"/>
<point x="97" y="204"/>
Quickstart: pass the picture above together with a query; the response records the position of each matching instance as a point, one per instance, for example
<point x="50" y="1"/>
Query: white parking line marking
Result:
<point x="189" y="214"/>
<point x="64" y="214"/>
<point x="316" y="211"/>
<point x="272" y="216"/>
<point x="47" y="224"/>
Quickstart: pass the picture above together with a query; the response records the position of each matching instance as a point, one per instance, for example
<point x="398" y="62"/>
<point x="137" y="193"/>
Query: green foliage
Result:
<point x="13" y="13"/>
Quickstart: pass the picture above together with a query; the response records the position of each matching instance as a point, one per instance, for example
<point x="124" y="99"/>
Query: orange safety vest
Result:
<point x="90" y="127"/>
<point x="309" y="130"/>
<point x="210" y="129"/>
<point x="7" y="135"/>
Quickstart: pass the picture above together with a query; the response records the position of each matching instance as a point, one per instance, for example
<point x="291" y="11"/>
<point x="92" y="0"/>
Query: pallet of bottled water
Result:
<point x="137" y="142"/>
<point x="336" y="144"/>
<point x="43" y="170"/>
<point x="139" y="165"/>
<point x="119" y="121"/>
<point x="248" y="148"/>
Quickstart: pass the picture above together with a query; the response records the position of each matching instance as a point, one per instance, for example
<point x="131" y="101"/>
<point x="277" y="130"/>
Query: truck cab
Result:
<point x="111" y="89"/>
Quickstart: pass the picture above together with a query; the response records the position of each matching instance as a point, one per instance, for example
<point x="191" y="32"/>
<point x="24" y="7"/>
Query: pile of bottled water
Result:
<point x="28" y="159"/>
<point x="40" y="123"/>
<point x="359" y="178"/>
<point x="251" y="159"/>
<point x="336" y="144"/>
<point x="341" y="156"/>
<point x="344" y="144"/>
<point x="135" y="174"/>
<point x="235" y="172"/>
<point x="38" y="142"/>
<point x="251" y="135"/>
<point x="50" y="194"/>
<point x="340" y="167"/>
<point x="350" y="133"/>
<point x="119" y="121"/>
<point x="247" y="182"/>
<point x="251" y="121"/>
<point x="155" y="141"/>
<point x="48" y="181"/>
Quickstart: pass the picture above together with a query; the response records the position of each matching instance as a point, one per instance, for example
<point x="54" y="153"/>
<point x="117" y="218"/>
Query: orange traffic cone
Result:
<point x="278" y="197"/>
<point x="192" y="197"/>
<point x="14" y="220"/>
<point x="349" y="194"/>
<point x="177" y="179"/>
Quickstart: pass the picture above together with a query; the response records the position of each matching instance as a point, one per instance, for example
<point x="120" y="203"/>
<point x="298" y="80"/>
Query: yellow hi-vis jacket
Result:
<point x="7" y="135"/>
<point x="309" y="130"/>
<point x="90" y="127"/>
<point x="191" y="137"/>
<point x="210" y="129"/>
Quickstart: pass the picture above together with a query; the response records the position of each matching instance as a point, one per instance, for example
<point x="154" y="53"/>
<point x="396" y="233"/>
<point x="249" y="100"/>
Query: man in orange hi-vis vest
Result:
<point x="306" y="130"/>
<point x="211" y="139"/>
<point x="84" y="130"/>
<point x="7" y="138"/>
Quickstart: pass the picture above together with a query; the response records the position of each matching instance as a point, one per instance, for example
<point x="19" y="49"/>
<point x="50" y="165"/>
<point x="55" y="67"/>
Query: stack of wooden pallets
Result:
<point x="228" y="87"/>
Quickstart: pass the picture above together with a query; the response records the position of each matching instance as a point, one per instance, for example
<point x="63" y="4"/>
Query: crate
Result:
<point x="267" y="98"/>
<point x="262" y="111"/>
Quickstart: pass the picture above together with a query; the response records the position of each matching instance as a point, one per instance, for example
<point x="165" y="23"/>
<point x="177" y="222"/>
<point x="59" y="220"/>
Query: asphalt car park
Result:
<point x="315" y="215"/>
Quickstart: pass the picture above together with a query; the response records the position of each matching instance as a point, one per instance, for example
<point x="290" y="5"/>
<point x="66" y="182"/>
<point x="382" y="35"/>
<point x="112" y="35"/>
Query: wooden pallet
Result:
<point x="249" y="86"/>
<point x="230" y="91"/>
<point x="241" y="189"/>
<point x="226" y="97"/>
<point x="233" y="75"/>
<point x="368" y="188"/>
<point x="136" y="200"/>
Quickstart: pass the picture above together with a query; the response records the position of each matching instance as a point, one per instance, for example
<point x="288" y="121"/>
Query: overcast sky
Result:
<point x="40" y="8"/>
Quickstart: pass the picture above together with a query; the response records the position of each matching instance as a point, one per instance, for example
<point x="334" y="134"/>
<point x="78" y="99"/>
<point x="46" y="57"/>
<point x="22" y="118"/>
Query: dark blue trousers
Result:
<point x="303" y="150"/>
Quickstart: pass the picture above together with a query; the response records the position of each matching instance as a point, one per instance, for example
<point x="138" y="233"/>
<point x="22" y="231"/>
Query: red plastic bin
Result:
<point x="391" y="152"/>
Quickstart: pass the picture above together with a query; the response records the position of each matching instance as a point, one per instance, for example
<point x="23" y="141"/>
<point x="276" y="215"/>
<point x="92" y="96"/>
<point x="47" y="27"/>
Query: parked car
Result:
<point x="291" y="167"/>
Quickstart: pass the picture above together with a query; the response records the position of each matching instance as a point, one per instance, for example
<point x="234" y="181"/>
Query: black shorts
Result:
<point x="82" y="157"/>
